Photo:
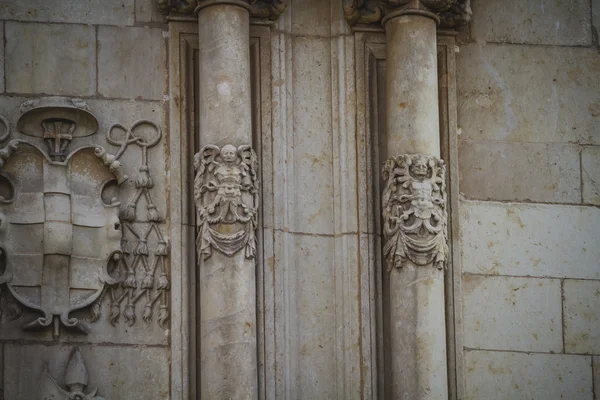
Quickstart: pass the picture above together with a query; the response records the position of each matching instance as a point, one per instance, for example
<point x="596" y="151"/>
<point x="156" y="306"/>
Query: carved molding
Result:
<point x="414" y="211"/>
<point x="226" y="191"/>
<point x="451" y="13"/>
<point x="264" y="9"/>
<point x="76" y="382"/>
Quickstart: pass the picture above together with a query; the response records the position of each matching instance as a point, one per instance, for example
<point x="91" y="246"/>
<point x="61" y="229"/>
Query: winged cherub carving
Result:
<point x="414" y="211"/>
<point x="226" y="196"/>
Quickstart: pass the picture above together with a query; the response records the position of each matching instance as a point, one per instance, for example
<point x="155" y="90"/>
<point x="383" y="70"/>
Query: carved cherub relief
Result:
<point x="226" y="194"/>
<point x="414" y="211"/>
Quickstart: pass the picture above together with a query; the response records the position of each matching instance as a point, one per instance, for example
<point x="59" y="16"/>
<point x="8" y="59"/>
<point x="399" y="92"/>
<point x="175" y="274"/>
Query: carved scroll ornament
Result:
<point x="226" y="195"/>
<point x="414" y="211"/>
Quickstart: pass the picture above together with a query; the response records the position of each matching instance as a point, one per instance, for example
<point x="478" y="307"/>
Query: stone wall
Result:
<point x="111" y="55"/>
<point x="528" y="77"/>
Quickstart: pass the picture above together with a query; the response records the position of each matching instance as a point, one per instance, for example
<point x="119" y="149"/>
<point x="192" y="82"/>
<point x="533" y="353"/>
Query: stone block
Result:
<point x="528" y="93"/>
<point x="537" y="172"/>
<point x="119" y="373"/>
<point x="505" y="313"/>
<point x="519" y="376"/>
<point x="147" y="11"/>
<point x="312" y="146"/>
<point x="552" y="22"/>
<point x="132" y="62"/>
<point x="590" y="175"/>
<point x="596" y="377"/>
<point x="50" y="58"/>
<point x="582" y="316"/>
<point x="530" y="240"/>
<point x="104" y="12"/>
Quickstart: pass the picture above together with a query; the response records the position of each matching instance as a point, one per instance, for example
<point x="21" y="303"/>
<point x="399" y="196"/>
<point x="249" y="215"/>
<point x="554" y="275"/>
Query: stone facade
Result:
<point x="195" y="200"/>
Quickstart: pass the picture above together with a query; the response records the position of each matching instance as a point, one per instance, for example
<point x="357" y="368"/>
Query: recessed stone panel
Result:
<point x="504" y="375"/>
<point x="590" y="174"/>
<point x="550" y="22"/>
<point x="582" y="316"/>
<point x="530" y="240"/>
<point x="503" y="313"/>
<point x="50" y="58"/>
<point x="538" y="94"/>
<point x="132" y="62"/>
<point x="537" y="172"/>
<point x="109" y="369"/>
<point x="109" y="12"/>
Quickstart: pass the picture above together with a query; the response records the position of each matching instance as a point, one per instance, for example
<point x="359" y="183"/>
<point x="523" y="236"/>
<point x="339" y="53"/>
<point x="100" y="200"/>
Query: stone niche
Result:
<point x="83" y="252"/>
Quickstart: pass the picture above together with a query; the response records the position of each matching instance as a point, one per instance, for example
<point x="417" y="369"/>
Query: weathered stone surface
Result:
<point x="505" y="313"/>
<point x="106" y="12"/>
<point x="312" y="149"/>
<point x="50" y="58"/>
<point x="132" y="62"/>
<point x="147" y="11"/>
<point x="109" y="368"/>
<point x="528" y="93"/>
<point x="596" y="361"/>
<point x="491" y="170"/>
<point x="493" y="375"/>
<point x="530" y="240"/>
<point x="590" y="174"/>
<point x="554" y="22"/>
<point x="596" y="20"/>
<point x="582" y="316"/>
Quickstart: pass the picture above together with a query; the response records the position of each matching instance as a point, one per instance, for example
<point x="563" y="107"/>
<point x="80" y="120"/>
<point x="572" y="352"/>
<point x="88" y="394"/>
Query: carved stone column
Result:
<point x="226" y="193"/>
<point x="414" y="198"/>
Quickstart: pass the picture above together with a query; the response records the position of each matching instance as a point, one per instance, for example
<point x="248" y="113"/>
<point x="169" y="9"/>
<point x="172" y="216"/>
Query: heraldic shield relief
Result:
<point x="60" y="232"/>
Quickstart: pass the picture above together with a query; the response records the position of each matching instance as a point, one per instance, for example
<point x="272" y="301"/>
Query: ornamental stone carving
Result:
<point x="226" y="194"/>
<point x="414" y="211"/>
<point x="451" y="13"/>
<point x="51" y="212"/>
<point x="66" y="241"/>
<point x="267" y="9"/>
<point x="76" y="382"/>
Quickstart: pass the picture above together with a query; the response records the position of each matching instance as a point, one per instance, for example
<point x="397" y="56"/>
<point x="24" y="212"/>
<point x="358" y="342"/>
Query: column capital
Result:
<point x="447" y="13"/>
<point x="267" y="9"/>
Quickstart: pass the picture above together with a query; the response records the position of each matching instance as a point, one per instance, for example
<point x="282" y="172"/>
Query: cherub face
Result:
<point x="228" y="153"/>
<point x="419" y="167"/>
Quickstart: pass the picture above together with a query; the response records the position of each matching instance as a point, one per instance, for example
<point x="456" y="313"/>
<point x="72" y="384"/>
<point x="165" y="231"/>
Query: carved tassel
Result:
<point x="95" y="312"/>
<point x="142" y="248"/>
<point x="148" y="281"/>
<point x="128" y="213"/>
<point x="129" y="314"/>
<point x="125" y="248"/>
<point x="115" y="312"/>
<point x="143" y="179"/>
<point x="130" y="281"/>
<point x="163" y="315"/>
<point x="147" y="315"/>
<point x="163" y="281"/>
<point x="161" y="249"/>
<point x="153" y="215"/>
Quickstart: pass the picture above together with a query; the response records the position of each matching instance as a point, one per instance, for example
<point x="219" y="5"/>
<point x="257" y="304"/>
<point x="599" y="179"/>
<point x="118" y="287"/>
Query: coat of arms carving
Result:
<point x="60" y="233"/>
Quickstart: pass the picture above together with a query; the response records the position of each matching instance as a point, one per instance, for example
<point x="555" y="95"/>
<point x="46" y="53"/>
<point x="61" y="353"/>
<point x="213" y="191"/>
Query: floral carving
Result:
<point x="226" y="193"/>
<point x="414" y="211"/>
<point x="76" y="382"/>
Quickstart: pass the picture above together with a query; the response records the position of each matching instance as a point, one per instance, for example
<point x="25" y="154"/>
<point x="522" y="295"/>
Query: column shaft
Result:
<point x="227" y="282"/>
<point x="417" y="312"/>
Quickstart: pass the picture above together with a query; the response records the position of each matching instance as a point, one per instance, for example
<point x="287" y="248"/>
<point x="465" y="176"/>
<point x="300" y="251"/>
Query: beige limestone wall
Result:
<point x="113" y="55"/>
<point x="528" y="78"/>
